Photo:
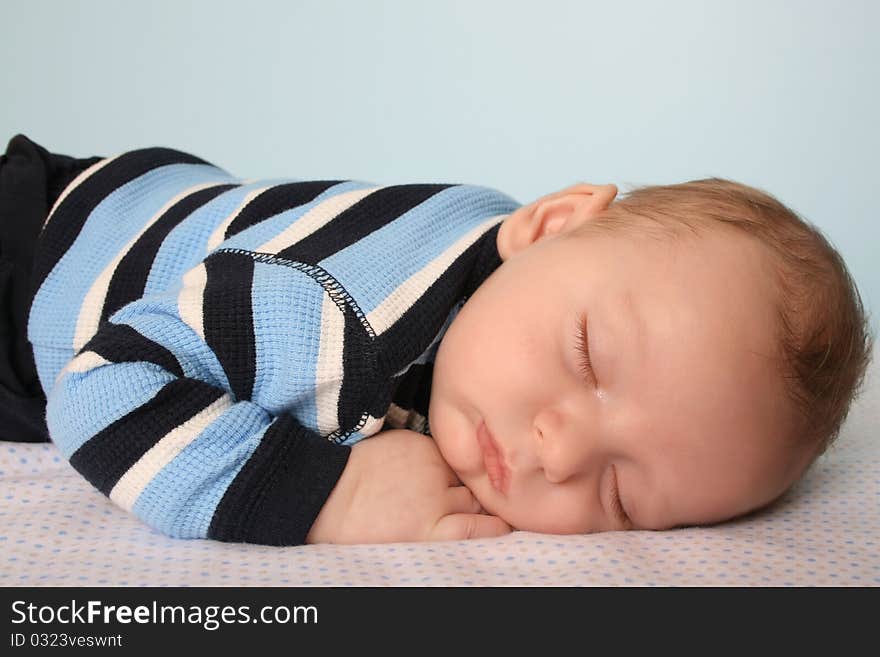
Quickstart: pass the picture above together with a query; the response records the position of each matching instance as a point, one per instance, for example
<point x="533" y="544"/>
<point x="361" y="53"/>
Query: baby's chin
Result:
<point x="521" y="515"/>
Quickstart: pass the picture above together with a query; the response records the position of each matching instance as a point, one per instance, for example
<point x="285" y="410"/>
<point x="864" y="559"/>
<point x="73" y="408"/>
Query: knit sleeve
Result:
<point x="157" y="411"/>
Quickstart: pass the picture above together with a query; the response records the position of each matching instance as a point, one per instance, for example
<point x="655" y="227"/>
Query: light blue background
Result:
<point x="526" y="97"/>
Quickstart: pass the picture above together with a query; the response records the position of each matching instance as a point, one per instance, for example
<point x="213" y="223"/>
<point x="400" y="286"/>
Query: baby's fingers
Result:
<point x="463" y="500"/>
<point x="460" y="526"/>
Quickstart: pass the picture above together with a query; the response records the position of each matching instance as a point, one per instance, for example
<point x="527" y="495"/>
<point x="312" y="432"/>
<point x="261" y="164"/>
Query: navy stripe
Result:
<point x="130" y="277"/>
<point x="121" y="343"/>
<point x="359" y="382"/>
<point x="228" y="318"/>
<point x="66" y="223"/>
<point x="413" y="390"/>
<point x="422" y="394"/>
<point x="108" y="455"/>
<point x="279" y="492"/>
<point x="276" y="200"/>
<point x="367" y="215"/>
<point x="428" y="313"/>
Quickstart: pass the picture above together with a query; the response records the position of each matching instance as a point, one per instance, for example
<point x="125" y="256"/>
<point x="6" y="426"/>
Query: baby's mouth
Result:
<point x="493" y="460"/>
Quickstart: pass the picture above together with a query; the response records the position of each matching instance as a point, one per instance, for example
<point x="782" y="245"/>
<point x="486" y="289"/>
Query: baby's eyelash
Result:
<point x="584" y="349"/>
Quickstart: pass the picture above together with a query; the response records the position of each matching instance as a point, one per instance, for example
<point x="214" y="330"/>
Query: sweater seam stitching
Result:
<point x="340" y="297"/>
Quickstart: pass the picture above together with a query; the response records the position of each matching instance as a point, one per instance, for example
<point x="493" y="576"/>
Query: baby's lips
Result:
<point x="493" y="460"/>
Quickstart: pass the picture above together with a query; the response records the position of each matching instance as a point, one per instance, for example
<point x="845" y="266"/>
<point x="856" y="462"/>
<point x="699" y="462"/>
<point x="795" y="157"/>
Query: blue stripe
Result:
<point x="157" y="318"/>
<point x="186" y="245"/>
<point x="461" y="207"/>
<point x="80" y="406"/>
<point x="49" y="361"/>
<point x="114" y="222"/>
<point x="287" y="316"/>
<point x="180" y="500"/>
<point x="355" y="437"/>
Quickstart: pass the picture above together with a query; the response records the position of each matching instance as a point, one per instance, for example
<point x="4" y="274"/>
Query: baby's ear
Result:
<point x="594" y="198"/>
<point x="569" y="207"/>
<point x="561" y="211"/>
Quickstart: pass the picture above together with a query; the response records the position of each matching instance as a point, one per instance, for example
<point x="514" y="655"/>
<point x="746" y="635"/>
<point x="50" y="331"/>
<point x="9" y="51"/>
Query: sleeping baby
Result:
<point x="300" y="361"/>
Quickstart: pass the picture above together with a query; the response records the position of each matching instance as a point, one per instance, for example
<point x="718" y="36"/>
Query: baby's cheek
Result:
<point x="548" y="515"/>
<point x="451" y="449"/>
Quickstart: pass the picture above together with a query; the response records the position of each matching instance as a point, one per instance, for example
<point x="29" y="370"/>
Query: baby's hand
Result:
<point x="396" y="487"/>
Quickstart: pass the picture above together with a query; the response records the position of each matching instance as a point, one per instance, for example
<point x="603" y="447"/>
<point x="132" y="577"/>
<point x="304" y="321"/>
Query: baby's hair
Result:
<point x="823" y="331"/>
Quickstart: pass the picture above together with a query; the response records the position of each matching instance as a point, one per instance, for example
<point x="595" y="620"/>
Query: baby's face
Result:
<point x="681" y="413"/>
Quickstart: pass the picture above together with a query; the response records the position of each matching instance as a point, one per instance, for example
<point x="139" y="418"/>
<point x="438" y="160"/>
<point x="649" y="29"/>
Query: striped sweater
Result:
<point x="211" y="348"/>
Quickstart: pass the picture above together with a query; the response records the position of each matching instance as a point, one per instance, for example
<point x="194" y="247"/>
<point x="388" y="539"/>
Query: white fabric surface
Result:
<point x="56" y="530"/>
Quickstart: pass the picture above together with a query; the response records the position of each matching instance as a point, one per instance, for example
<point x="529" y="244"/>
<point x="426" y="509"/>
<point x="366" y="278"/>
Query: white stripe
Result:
<point x="405" y="295"/>
<point x="190" y="299"/>
<point x="372" y="425"/>
<point x="217" y="237"/>
<point x="90" y="311"/>
<point x="314" y="219"/>
<point x="139" y="475"/>
<point x="329" y="370"/>
<point x="87" y="360"/>
<point x="83" y="175"/>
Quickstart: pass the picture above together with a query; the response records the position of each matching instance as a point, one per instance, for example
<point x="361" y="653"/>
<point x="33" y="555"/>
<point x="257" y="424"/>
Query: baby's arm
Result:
<point x="146" y="413"/>
<point x="164" y="425"/>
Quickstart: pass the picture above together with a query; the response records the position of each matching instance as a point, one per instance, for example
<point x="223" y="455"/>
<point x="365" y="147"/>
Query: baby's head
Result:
<point x="726" y="341"/>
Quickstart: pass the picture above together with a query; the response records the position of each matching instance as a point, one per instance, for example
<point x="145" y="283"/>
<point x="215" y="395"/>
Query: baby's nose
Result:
<point x="561" y="455"/>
